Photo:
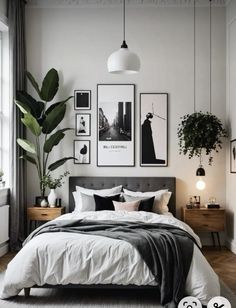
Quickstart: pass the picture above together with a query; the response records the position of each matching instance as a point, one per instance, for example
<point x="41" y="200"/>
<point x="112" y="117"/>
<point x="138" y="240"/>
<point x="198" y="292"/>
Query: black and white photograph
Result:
<point x="153" y="126"/>
<point x="115" y="103"/>
<point x="83" y="124"/>
<point x="82" y="99"/>
<point x="233" y="156"/>
<point x="82" y="151"/>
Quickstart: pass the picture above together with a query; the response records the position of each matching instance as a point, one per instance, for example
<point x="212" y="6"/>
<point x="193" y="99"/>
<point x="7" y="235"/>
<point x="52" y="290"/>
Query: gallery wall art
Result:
<point x="82" y="99"/>
<point x="83" y="124"/>
<point x="153" y="129"/>
<point x="115" y="124"/>
<point x="233" y="156"/>
<point x="82" y="151"/>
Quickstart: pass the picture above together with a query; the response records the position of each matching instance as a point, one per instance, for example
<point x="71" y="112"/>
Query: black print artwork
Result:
<point x="82" y="151"/>
<point x="82" y="99"/>
<point x="233" y="156"/>
<point x="115" y="121"/>
<point x="153" y="117"/>
<point x="83" y="125"/>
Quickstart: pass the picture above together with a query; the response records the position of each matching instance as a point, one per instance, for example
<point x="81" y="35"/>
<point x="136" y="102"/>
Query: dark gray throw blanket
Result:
<point x="167" y="250"/>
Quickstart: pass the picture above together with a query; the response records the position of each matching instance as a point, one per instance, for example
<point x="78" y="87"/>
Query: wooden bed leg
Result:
<point x="27" y="292"/>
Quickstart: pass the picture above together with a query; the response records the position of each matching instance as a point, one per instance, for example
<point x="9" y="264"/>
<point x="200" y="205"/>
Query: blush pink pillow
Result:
<point x="126" y="206"/>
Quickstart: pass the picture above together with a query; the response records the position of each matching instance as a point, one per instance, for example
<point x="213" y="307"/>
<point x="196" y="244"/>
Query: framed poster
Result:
<point x="82" y="99"/>
<point x="82" y="151"/>
<point x="233" y="156"/>
<point x="115" y="125"/>
<point x="153" y="129"/>
<point x="83" y="124"/>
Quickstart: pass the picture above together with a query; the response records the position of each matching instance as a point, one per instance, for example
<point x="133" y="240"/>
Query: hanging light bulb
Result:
<point x="201" y="185"/>
<point x="123" y="61"/>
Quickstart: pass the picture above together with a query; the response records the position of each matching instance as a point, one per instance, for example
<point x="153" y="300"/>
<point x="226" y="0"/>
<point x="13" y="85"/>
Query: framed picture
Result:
<point x="233" y="156"/>
<point x="82" y="151"/>
<point x="153" y="129"/>
<point x="115" y="125"/>
<point x="82" y="99"/>
<point x="83" y="124"/>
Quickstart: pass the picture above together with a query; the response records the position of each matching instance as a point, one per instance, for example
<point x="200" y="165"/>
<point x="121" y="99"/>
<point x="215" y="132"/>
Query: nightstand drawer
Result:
<point x="205" y="220"/>
<point x="44" y="214"/>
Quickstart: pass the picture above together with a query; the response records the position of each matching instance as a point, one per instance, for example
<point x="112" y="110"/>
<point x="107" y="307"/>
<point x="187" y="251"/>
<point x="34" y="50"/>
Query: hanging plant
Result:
<point x="200" y="132"/>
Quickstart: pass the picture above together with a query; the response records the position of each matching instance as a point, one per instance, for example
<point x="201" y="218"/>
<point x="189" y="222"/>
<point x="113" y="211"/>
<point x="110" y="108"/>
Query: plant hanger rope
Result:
<point x="210" y="83"/>
<point x="194" y="55"/>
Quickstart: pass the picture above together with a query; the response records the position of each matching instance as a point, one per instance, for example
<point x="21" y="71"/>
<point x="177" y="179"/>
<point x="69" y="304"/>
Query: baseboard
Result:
<point x="4" y="248"/>
<point x="231" y="245"/>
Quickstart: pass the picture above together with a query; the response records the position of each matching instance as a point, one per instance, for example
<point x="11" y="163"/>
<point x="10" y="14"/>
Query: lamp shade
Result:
<point x="200" y="171"/>
<point x="123" y="61"/>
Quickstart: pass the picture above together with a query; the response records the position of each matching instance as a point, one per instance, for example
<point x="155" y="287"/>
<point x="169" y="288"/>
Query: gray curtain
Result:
<point x="16" y="23"/>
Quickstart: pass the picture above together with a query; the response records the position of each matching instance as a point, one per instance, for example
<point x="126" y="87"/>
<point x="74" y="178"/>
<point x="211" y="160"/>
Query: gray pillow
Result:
<point x="88" y="202"/>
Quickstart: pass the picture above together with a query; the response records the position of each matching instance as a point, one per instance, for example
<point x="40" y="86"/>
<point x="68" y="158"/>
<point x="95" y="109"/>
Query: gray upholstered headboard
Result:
<point x="131" y="183"/>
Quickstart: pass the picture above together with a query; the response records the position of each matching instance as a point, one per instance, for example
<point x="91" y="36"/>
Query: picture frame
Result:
<point x="82" y="151"/>
<point x="82" y="99"/>
<point x="233" y="156"/>
<point x="153" y="129"/>
<point x="83" y="124"/>
<point x="115" y="125"/>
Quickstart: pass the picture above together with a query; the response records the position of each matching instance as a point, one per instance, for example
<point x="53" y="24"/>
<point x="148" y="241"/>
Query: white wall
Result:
<point x="78" y="41"/>
<point x="231" y="119"/>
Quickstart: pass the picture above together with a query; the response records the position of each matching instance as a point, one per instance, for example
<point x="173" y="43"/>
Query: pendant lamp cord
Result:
<point x="124" y="20"/>
<point x="194" y="55"/>
<point x="210" y="56"/>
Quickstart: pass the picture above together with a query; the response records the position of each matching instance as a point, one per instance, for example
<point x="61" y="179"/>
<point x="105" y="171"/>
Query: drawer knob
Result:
<point x="44" y="214"/>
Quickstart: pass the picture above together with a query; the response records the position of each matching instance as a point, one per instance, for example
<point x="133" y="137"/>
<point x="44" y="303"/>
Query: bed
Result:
<point x="68" y="260"/>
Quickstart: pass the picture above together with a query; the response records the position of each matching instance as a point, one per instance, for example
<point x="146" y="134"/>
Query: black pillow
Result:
<point x="146" y="204"/>
<point x="105" y="203"/>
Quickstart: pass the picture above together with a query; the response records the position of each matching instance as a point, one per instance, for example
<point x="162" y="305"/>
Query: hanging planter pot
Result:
<point x="200" y="132"/>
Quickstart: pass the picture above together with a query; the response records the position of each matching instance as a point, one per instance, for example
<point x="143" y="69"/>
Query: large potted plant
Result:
<point x="200" y="133"/>
<point x="42" y="121"/>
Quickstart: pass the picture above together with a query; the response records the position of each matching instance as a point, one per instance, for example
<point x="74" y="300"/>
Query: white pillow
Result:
<point x="90" y="192"/>
<point x="162" y="197"/>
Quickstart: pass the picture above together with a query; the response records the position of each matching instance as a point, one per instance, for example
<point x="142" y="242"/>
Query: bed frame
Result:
<point x="131" y="183"/>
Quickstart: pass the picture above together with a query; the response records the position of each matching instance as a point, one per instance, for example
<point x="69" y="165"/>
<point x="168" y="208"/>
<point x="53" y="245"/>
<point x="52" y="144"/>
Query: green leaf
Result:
<point x="33" y="82"/>
<point x="36" y="108"/>
<point x="50" y="85"/>
<point x="54" y="139"/>
<point x="53" y="106"/>
<point x="24" y="108"/>
<point x="31" y="123"/>
<point x="29" y="158"/>
<point x="59" y="163"/>
<point x="54" y="118"/>
<point x="26" y="145"/>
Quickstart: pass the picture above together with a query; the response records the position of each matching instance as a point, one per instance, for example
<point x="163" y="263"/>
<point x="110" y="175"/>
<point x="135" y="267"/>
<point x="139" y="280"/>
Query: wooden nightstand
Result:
<point x="43" y="214"/>
<point x="205" y="220"/>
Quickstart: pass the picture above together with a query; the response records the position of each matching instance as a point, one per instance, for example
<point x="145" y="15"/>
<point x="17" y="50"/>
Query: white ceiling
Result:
<point x="114" y="3"/>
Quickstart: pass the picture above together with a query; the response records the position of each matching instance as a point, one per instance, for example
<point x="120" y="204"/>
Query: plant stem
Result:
<point x="39" y="161"/>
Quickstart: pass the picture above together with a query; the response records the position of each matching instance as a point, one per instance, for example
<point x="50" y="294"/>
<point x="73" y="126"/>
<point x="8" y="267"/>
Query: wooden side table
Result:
<point x="35" y="214"/>
<point x="205" y="220"/>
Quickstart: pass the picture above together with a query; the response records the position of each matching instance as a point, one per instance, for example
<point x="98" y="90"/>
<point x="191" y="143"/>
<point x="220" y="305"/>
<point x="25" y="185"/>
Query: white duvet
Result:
<point x="63" y="258"/>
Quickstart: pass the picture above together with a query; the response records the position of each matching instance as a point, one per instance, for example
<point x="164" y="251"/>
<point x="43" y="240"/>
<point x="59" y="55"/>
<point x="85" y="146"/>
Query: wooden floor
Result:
<point x="223" y="262"/>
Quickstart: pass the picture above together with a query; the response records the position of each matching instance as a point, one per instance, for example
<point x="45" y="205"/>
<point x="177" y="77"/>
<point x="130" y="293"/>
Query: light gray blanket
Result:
<point x="167" y="250"/>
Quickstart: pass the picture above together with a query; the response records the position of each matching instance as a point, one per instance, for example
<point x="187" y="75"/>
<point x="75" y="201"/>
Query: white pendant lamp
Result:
<point x="123" y="61"/>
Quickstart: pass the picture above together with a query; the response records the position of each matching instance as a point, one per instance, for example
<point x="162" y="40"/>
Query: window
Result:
<point x="5" y="107"/>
